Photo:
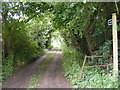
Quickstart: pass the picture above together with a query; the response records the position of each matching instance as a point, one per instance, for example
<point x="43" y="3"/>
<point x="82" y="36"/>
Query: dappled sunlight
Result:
<point x="56" y="43"/>
<point x="56" y="40"/>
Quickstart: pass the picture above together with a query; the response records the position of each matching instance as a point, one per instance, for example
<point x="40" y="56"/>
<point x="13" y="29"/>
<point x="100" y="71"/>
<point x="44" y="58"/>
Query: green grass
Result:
<point x="35" y="79"/>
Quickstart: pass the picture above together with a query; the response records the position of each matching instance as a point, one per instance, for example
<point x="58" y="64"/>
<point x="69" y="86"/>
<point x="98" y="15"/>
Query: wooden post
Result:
<point x="115" y="44"/>
<point x="83" y="66"/>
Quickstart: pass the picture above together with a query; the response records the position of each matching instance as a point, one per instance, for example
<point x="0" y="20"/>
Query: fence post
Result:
<point x="83" y="66"/>
<point x="115" y="45"/>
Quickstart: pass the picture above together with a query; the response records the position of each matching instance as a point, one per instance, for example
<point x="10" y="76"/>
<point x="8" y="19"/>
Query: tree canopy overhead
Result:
<point x="78" y="22"/>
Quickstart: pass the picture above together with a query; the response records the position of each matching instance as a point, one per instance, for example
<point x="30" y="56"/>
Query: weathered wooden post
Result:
<point x="115" y="45"/>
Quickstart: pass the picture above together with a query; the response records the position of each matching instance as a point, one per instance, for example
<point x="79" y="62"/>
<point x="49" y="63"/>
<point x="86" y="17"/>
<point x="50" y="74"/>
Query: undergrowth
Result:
<point x="7" y="67"/>
<point x="97" y="78"/>
<point x="91" y="78"/>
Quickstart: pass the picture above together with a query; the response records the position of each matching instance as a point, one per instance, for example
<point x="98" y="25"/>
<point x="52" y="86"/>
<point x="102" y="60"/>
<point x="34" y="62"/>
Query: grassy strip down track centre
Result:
<point x="35" y="79"/>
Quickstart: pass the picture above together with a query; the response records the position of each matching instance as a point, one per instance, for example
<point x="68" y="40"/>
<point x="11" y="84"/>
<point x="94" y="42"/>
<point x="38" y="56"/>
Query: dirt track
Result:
<point x="53" y="78"/>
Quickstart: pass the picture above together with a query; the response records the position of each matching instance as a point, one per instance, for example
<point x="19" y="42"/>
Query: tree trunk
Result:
<point x="89" y="41"/>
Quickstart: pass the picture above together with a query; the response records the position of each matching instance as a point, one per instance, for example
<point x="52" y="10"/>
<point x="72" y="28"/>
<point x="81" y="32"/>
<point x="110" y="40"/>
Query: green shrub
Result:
<point x="97" y="78"/>
<point x="50" y="47"/>
<point x="104" y="50"/>
<point x="91" y="77"/>
<point x="71" y="63"/>
<point x="7" y="67"/>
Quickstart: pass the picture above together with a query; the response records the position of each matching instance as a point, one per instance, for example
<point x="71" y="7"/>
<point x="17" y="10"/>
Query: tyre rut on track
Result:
<point x="54" y="76"/>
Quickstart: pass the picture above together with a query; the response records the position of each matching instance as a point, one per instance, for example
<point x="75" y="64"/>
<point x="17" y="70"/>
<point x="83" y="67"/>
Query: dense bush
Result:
<point x="91" y="78"/>
<point x="7" y="67"/>
<point x="71" y="63"/>
<point x="97" y="78"/>
<point x="104" y="50"/>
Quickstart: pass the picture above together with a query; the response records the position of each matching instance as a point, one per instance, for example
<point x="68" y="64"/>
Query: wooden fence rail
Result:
<point x="99" y="65"/>
<point x="83" y="66"/>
